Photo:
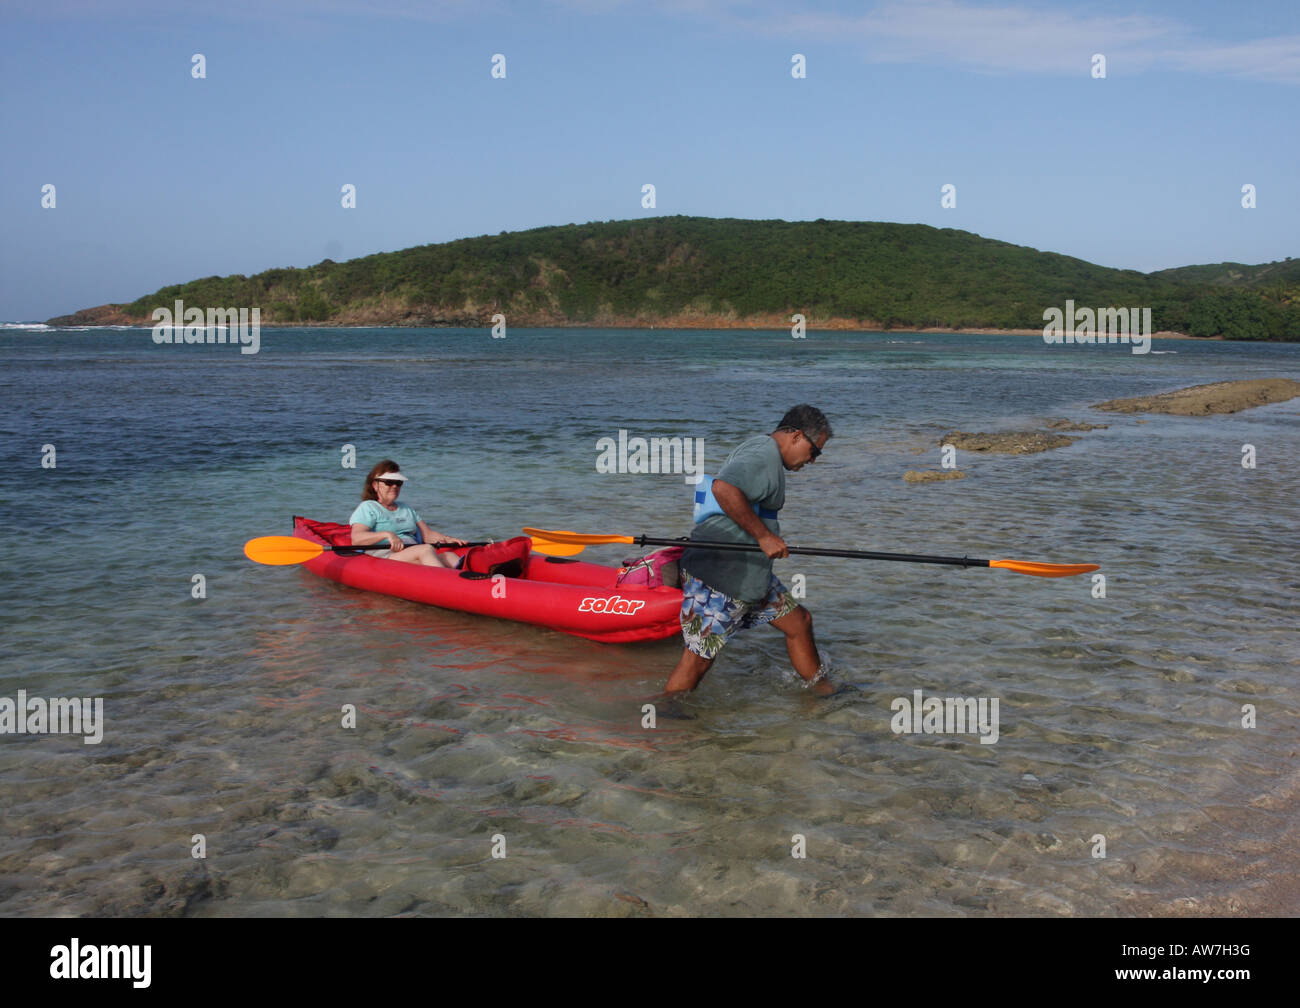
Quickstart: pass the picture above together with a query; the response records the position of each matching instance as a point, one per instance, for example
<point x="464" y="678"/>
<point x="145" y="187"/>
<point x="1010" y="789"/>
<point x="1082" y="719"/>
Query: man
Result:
<point x="725" y="591"/>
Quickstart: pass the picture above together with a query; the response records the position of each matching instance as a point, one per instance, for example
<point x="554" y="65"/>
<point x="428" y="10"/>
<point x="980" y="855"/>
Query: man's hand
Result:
<point x="774" y="546"/>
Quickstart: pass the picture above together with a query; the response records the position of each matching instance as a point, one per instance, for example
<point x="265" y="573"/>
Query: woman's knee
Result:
<point x="421" y="554"/>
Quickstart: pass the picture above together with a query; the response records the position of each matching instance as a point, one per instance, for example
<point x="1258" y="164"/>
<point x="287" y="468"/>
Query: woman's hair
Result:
<point x="386" y="466"/>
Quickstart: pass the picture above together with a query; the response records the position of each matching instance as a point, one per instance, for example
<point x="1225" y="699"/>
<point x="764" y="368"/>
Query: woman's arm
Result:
<point x="363" y="535"/>
<point x="433" y="536"/>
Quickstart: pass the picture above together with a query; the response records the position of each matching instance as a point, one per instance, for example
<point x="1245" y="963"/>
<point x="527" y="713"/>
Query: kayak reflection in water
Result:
<point x="379" y="518"/>
<point x="724" y="592"/>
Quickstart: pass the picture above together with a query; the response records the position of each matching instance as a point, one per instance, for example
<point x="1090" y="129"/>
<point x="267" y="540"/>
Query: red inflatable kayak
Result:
<point x="556" y="592"/>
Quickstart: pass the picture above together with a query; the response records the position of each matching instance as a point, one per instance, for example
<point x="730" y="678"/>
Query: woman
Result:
<point x="379" y="518"/>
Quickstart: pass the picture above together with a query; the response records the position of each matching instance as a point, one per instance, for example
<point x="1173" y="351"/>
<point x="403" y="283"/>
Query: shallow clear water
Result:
<point x="1119" y="716"/>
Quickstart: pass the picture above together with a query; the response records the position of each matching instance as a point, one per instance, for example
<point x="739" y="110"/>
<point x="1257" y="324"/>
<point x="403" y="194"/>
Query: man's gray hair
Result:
<point x="808" y="419"/>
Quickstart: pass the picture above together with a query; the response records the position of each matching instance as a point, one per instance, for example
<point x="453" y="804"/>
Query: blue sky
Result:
<point x="162" y="178"/>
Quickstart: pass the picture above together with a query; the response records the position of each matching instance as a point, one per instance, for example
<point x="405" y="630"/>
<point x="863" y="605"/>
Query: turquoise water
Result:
<point x="1120" y="717"/>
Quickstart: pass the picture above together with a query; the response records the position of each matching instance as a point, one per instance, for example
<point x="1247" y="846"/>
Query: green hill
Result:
<point x="704" y="271"/>
<point x="1285" y="273"/>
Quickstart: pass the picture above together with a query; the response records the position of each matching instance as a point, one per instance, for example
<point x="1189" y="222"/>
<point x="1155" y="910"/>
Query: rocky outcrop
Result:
<point x="1207" y="400"/>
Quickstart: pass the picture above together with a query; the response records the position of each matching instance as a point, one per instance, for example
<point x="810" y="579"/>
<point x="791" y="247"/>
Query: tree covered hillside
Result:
<point x="671" y="270"/>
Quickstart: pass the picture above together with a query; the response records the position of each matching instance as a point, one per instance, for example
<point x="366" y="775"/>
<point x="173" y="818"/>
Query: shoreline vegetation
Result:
<point x="104" y="318"/>
<point x="714" y="273"/>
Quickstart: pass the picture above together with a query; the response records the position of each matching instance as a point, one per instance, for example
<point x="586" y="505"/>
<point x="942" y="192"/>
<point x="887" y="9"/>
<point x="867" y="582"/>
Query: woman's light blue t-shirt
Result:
<point x="404" y="521"/>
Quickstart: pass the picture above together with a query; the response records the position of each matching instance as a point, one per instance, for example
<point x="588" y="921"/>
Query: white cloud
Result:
<point x="1005" y="37"/>
<point x="1001" y="38"/>
<point x="1276" y="59"/>
<point x="1016" y="37"/>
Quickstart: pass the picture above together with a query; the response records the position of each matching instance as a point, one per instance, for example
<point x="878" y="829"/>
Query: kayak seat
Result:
<point x="509" y="558"/>
<point x="332" y="532"/>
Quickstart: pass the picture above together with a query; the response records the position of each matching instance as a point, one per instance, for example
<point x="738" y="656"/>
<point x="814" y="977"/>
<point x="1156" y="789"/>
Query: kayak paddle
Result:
<point x="544" y="540"/>
<point x="279" y="551"/>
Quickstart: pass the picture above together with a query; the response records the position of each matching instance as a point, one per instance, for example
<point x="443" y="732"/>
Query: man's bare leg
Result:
<point x="802" y="647"/>
<point x="688" y="673"/>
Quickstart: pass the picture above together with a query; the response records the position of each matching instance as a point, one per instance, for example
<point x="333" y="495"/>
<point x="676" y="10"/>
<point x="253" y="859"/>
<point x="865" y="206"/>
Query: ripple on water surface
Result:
<point x="1120" y="717"/>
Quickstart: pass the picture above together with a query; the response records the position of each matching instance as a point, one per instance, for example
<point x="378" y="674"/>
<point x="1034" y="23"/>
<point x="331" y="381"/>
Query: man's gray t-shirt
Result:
<point x="756" y="470"/>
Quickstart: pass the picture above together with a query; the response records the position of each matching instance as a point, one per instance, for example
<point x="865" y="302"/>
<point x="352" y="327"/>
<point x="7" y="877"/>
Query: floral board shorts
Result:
<point x="710" y="618"/>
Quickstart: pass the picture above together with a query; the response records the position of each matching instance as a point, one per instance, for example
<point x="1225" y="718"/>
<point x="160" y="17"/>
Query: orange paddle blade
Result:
<point x="279" y="551"/>
<point x="555" y="548"/>
<point x="573" y="538"/>
<point x="1044" y="569"/>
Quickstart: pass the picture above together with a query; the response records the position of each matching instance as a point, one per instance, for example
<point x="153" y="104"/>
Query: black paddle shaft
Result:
<point x="345" y="550"/>
<point x="810" y="551"/>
